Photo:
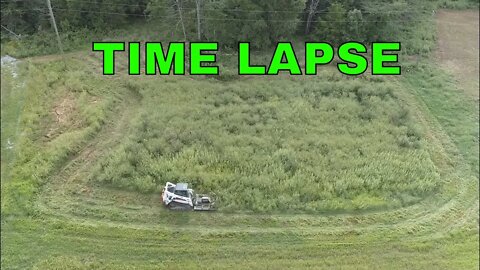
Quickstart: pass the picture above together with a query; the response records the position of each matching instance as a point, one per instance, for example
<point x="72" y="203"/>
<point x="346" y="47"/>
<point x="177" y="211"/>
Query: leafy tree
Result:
<point x="243" y="20"/>
<point x="385" y="19"/>
<point x="281" y="17"/>
<point x="22" y="17"/>
<point x="333" y="25"/>
<point x="97" y="14"/>
<point x="176" y="15"/>
<point x="355" y="26"/>
<point x="261" y="22"/>
<point x="312" y="10"/>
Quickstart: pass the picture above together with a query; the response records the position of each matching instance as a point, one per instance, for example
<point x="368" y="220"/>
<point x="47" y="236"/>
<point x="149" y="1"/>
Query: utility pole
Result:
<point x="179" y="7"/>
<point x="311" y="11"/>
<point x="54" y="26"/>
<point x="199" y="31"/>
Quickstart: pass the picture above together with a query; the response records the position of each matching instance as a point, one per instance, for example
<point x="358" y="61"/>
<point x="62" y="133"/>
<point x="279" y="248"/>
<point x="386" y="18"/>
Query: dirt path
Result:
<point x="458" y="45"/>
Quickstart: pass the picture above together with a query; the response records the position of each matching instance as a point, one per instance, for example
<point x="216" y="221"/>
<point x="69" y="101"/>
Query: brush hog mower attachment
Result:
<point x="180" y="197"/>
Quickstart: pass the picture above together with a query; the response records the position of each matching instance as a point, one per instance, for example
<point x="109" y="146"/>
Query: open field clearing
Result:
<point x="313" y="136"/>
<point x="323" y="172"/>
<point x="458" y="47"/>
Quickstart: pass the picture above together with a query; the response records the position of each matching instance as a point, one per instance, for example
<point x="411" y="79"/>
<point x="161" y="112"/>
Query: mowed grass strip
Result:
<point x="59" y="245"/>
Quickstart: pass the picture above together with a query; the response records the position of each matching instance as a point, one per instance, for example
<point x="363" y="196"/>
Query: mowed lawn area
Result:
<point x="321" y="172"/>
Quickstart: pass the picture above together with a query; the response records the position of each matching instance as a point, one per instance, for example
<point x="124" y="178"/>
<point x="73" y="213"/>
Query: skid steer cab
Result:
<point x="180" y="197"/>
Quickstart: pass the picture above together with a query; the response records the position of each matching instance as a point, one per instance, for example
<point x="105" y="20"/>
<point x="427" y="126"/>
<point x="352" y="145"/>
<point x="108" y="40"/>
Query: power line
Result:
<point x="10" y="31"/>
<point x="225" y="19"/>
<point x="232" y="10"/>
<point x="254" y="20"/>
<point x="238" y="19"/>
<point x="101" y="12"/>
<point x="218" y="19"/>
<point x="28" y="10"/>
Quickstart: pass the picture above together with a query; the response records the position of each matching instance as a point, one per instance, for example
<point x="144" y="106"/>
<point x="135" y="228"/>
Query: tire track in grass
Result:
<point x="414" y="224"/>
<point x="419" y="221"/>
<point x="13" y="91"/>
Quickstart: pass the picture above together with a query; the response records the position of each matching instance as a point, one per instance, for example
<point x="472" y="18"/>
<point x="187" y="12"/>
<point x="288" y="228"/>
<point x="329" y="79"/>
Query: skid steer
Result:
<point x="180" y="197"/>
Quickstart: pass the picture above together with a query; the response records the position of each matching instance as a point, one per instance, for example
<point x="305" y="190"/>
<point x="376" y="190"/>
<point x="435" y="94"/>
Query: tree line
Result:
<point x="262" y="23"/>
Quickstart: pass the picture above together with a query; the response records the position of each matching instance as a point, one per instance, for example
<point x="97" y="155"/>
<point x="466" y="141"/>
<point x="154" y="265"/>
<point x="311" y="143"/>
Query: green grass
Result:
<point x="453" y="110"/>
<point x="41" y="144"/>
<point x="79" y="220"/>
<point x="12" y="101"/>
<point x="309" y="144"/>
<point x="65" y="204"/>
<point x="62" y="246"/>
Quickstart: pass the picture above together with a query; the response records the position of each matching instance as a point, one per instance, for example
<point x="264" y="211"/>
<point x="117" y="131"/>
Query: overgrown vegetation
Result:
<point x="314" y="144"/>
<point x="83" y="156"/>
<point x="43" y="135"/>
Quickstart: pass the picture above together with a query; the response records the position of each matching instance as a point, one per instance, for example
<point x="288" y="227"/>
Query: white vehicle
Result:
<point x="177" y="196"/>
<point x="180" y="197"/>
